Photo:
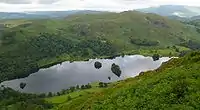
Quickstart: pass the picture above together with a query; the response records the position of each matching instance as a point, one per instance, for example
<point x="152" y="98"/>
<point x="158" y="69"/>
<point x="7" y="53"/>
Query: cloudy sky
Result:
<point x="108" y="5"/>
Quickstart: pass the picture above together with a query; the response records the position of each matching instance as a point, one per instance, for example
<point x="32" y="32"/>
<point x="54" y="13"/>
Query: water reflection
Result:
<point x="67" y="74"/>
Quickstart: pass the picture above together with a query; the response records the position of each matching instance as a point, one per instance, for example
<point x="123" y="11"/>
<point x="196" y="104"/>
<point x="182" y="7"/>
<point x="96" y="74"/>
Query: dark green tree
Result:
<point x="77" y="87"/>
<point x="101" y="84"/>
<point x="72" y="89"/>
<point x="116" y="69"/>
<point x="22" y="85"/>
<point x="109" y="78"/>
<point x="105" y="85"/>
<point x="156" y="57"/>
<point x="63" y="91"/>
<point x="43" y="95"/>
<point x="88" y="86"/>
<point x="69" y="98"/>
<point x="58" y="94"/>
<point x="82" y="86"/>
<point x="97" y="65"/>
<point x="50" y="94"/>
<point x="177" y="50"/>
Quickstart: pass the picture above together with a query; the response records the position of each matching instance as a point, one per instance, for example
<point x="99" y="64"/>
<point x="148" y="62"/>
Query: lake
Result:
<point x="65" y="75"/>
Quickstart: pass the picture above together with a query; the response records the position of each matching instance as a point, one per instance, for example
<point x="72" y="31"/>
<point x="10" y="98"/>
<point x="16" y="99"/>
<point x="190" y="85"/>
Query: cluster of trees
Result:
<point x="88" y="86"/>
<point x="143" y="42"/>
<point x="194" y="22"/>
<point x="73" y="89"/>
<point x="23" y="59"/>
<point x="176" y="48"/>
<point x="7" y="37"/>
<point x="67" y="91"/>
<point x="103" y="85"/>
<point x="192" y="45"/>
<point x="198" y="29"/>
<point x="21" y="101"/>
<point x="15" y="66"/>
<point x="183" y="53"/>
<point x="96" y="47"/>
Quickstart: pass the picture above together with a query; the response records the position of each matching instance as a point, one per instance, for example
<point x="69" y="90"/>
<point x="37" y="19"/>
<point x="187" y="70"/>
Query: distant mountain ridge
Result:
<point x="171" y="10"/>
<point x="43" y="14"/>
<point x="177" y="18"/>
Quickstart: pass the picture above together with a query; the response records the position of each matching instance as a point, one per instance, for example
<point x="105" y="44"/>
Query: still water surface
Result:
<point x="67" y="74"/>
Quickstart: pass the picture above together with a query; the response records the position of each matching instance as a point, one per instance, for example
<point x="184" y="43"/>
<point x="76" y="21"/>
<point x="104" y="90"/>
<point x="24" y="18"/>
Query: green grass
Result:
<point x="63" y="99"/>
<point x="60" y="101"/>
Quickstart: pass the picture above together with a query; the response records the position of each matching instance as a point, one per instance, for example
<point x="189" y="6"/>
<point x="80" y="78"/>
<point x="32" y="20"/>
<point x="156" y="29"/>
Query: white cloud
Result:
<point x="109" y="5"/>
<point x="178" y="2"/>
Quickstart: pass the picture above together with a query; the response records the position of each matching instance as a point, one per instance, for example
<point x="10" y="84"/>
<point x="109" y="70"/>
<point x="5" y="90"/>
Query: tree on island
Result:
<point x="156" y="57"/>
<point x="109" y="78"/>
<point x="116" y="69"/>
<point x="22" y="85"/>
<point x="97" y="65"/>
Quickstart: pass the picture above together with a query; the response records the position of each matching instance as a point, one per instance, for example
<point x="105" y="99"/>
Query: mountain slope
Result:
<point x="170" y="10"/>
<point x="175" y="85"/>
<point x="29" y="45"/>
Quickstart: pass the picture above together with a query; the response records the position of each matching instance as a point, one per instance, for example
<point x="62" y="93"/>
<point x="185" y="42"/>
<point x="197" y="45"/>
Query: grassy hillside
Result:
<point x="174" y="86"/>
<point x="27" y="45"/>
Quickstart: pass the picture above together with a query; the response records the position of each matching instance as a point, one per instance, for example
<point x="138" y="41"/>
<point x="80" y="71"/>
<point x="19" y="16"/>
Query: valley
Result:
<point x="31" y="47"/>
<point x="39" y="43"/>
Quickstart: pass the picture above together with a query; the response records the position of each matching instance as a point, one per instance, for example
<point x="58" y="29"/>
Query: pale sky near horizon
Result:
<point x="104" y="5"/>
